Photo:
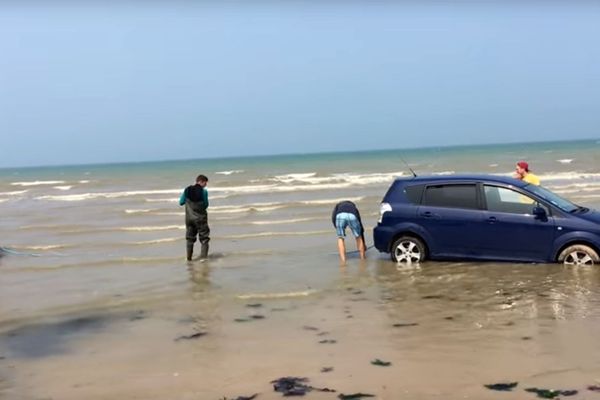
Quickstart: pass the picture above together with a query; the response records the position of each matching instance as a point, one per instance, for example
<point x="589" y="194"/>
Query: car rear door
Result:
<point x="451" y="215"/>
<point x="512" y="231"/>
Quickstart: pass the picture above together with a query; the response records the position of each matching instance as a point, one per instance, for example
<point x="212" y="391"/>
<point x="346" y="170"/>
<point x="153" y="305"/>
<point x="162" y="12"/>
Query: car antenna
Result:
<point x="408" y="166"/>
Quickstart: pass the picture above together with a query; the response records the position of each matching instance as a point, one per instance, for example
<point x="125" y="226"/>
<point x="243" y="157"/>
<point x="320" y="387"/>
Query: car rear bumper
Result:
<point x="382" y="235"/>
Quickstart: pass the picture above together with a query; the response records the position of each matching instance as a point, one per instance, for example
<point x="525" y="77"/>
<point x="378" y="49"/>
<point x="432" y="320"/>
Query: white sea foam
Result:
<point x="46" y="247"/>
<point x="281" y="295"/>
<point x="3" y="200"/>
<point x="37" y="183"/>
<point x="565" y="161"/>
<point x="330" y="201"/>
<point x="107" y="195"/>
<point x="84" y="181"/>
<point x="235" y="171"/>
<point x="493" y="165"/>
<point x="63" y="187"/>
<point x="571" y="175"/>
<point x="284" y="221"/>
<point x="152" y="228"/>
<point x="139" y="211"/>
<point x="273" y="234"/>
<point x="14" y="193"/>
<point x="155" y="241"/>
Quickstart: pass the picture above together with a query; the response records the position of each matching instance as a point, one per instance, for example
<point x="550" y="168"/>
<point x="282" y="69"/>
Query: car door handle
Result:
<point x="492" y="220"/>
<point x="428" y="214"/>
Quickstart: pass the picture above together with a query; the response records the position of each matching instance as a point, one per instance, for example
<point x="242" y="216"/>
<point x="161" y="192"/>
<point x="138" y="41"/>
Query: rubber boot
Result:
<point x="190" y="251"/>
<point x="204" y="251"/>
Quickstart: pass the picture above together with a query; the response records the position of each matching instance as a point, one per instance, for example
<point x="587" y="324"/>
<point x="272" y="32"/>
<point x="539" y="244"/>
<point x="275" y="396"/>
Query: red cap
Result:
<point x="524" y="165"/>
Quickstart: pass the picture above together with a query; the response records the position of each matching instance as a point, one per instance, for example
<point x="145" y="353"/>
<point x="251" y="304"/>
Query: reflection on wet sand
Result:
<point x="445" y="328"/>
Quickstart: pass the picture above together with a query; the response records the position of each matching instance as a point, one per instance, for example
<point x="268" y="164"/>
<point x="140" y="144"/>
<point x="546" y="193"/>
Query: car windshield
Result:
<point x="552" y="198"/>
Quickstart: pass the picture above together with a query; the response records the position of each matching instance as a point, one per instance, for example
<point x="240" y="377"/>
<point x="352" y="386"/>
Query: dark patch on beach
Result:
<point x="349" y="316"/>
<point x="381" y="363"/>
<point x="257" y="316"/>
<point x="450" y="318"/>
<point x="594" y="388"/>
<point x="550" y="393"/>
<point x="354" y="396"/>
<point x="250" y="318"/>
<point x="526" y="338"/>
<point x="192" y="336"/>
<point x="51" y="338"/>
<point x="357" y="292"/>
<point x="278" y="309"/>
<point x="254" y="305"/>
<point x="242" y="320"/>
<point x="502" y="387"/>
<point x="359" y="299"/>
<point x="405" y="325"/>
<point x="324" y="333"/>
<point x="242" y="397"/>
<point x="326" y="369"/>
<point x="138" y="315"/>
<point x="327" y="341"/>
<point x="310" y="328"/>
<point x="293" y="386"/>
<point x="432" y="297"/>
<point x="509" y="323"/>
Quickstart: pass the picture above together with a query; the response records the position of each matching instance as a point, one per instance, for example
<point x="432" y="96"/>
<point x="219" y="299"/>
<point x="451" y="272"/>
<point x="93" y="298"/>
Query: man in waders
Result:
<point x="195" y="199"/>
<point x="345" y="214"/>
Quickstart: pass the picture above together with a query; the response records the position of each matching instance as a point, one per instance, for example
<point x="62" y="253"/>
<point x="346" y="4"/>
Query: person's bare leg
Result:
<point x="360" y="245"/>
<point x="342" y="249"/>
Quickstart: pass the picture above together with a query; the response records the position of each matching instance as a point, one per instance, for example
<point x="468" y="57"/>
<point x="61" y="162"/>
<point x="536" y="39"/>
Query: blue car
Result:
<point x="484" y="217"/>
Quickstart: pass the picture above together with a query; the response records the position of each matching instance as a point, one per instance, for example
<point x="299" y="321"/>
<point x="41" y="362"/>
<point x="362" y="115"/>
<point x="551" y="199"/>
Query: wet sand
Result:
<point x="446" y="328"/>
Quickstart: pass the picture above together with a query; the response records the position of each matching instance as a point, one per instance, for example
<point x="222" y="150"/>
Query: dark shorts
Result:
<point x="197" y="228"/>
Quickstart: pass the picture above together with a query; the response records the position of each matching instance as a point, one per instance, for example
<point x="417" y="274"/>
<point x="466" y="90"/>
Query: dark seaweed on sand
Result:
<point x="192" y="336"/>
<point x="354" y="396"/>
<point x="503" y="387"/>
<point x="405" y="325"/>
<point x="550" y="394"/>
<point x="381" y="363"/>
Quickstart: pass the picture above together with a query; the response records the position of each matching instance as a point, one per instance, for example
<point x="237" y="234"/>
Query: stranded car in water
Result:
<point x="484" y="217"/>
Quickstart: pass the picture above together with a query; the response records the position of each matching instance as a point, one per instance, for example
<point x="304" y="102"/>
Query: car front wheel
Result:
<point x="578" y="254"/>
<point x="408" y="249"/>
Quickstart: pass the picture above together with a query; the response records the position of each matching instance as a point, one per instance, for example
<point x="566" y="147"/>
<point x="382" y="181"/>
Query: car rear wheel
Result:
<point x="408" y="249"/>
<point x="578" y="254"/>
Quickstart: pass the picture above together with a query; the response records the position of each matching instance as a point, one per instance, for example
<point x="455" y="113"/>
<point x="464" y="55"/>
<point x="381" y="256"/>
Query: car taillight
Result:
<point x="383" y="208"/>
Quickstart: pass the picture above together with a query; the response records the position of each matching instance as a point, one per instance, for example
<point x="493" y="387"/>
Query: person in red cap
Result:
<point x="523" y="173"/>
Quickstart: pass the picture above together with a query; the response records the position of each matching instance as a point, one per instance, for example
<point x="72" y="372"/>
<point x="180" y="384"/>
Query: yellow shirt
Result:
<point x="531" y="178"/>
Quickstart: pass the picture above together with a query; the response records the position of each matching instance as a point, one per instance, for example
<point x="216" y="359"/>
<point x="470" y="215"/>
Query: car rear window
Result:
<point x="413" y="193"/>
<point x="454" y="195"/>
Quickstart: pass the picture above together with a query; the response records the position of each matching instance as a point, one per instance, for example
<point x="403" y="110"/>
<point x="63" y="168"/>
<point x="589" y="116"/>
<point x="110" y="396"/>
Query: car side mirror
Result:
<point x="539" y="212"/>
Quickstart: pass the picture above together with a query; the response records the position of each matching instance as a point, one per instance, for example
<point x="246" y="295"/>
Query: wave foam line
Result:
<point x="235" y="171"/>
<point x="64" y="188"/>
<point x="14" y="193"/>
<point x="140" y="211"/>
<point x="107" y="195"/>
<point x="151" y="228"/>
<point x="37" y="183"/>
<point x="284" y="221"/>
<point x="281" y="295"/>
<point x="273" y="234"/>
<point x="155" y="241"/>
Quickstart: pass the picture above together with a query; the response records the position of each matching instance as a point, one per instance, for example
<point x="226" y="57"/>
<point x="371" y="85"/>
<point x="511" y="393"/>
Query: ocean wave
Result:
<point x="37" y="183"/>
<point x="330" y="201"/>
<point x="107" y="195"/>
<point x="273" y="234"/>
<point x="3" y="200"/>
<point x="44" y="247"/>
<point x="571" y="175"/>
<point x="565" y="161"/>
<point x="156" y="241"/>
<point x="140" y="211"/>
<point x="14" y="193"/>
<point x="66" y="187"/>
<point x="283" y="221"/>
<point x="151" y="228"/>
<point x="235" y="171"/>
<point x="277" y="295"/>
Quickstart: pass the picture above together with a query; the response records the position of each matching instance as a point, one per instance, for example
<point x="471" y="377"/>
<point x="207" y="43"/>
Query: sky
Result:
<point x="115" y="81"/>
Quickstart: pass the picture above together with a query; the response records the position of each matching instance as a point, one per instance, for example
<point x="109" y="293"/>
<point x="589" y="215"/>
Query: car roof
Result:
<point x="503" y="179"/>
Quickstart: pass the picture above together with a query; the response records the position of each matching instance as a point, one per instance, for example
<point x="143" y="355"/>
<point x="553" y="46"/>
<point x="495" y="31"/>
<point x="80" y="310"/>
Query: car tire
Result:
<point x="578" y="254"/>
<point x="408" y="249"/>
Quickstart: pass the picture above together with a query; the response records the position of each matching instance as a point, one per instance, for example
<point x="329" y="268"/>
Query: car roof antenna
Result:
<point x="408" y="166"/>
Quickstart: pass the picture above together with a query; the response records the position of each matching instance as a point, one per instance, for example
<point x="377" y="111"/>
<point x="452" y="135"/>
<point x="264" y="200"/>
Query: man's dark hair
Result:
<point x="201" y="178"/>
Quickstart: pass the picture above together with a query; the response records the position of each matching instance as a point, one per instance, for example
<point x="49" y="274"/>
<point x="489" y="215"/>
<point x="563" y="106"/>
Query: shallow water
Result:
<point x="96" y="291"/>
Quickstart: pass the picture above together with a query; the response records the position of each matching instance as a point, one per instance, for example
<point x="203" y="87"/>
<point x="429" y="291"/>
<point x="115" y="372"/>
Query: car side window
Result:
<point x="454" y="196"/>
<point x="500" y="199"/>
